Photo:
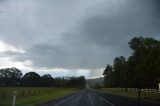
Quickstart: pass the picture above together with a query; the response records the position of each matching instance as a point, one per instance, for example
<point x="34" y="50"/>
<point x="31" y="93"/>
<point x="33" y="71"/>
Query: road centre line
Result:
<point x="104" y="99"/>
<point x="100" y="93"/>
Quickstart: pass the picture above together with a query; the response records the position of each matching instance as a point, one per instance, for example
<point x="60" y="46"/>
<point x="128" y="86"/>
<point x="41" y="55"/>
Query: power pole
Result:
<point x="125" y="75"/>
<point x="139" y="90"/>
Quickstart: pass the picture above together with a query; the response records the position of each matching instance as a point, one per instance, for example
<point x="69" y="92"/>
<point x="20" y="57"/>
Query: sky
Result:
<point x="72" y="37"/>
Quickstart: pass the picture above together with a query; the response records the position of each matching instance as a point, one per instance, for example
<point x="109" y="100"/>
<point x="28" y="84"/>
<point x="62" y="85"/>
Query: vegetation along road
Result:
<point x="89" y="97"/>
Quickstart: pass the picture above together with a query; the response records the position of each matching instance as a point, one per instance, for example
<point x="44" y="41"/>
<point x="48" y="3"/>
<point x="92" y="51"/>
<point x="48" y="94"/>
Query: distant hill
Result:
<point x="96" y="81"/>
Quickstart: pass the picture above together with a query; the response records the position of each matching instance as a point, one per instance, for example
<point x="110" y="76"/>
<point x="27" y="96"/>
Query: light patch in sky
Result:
<point x="6" y="47"/>
<point x="59" y="72"/>
<point x="7" y="62"/>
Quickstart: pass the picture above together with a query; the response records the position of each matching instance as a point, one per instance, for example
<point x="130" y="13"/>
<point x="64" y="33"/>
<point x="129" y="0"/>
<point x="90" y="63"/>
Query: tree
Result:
<point x="31" y="79"/>
<point x="107" y="72"/>
<point x="82" y="81"/>
<point x="145" y="59"/>
<point x="136" y="43"/>
<point x="141" y="69"/>
<point x="119" y="66"/>
<point x="47" y="80"/>
<point x="10" y="76"/>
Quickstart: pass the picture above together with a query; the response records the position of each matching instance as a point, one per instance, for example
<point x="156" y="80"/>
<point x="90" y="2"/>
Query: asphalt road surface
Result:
<point x="93" y="98"/>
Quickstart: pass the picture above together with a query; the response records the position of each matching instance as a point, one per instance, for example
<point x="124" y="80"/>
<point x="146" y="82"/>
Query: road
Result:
<point x="93" y="98"/>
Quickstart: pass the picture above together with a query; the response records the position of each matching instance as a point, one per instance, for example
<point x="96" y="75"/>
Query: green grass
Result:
<point x="32" y="96"/>
<point x="145" y="96"/>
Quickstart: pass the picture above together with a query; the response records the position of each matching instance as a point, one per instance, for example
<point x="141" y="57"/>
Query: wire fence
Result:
<point x="156" y="91"/>
<point x="7" y="93"/>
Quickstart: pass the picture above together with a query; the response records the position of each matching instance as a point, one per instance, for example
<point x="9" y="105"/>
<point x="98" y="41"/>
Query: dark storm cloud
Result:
<point x="133" y="18"/>
<point x="110" y="32"/>
<point x="98" y="35"/>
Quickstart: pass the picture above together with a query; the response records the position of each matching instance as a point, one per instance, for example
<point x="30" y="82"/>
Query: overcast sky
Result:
<point x="72" y="37"/>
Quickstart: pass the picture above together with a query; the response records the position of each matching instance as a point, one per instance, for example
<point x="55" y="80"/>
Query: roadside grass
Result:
<point x="35" y="97"/>
<point x="152" y="97"/>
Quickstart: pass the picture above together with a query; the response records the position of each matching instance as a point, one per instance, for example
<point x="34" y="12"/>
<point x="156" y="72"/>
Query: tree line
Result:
<point x="140" y="69"/>
<point x="13" y="77"/>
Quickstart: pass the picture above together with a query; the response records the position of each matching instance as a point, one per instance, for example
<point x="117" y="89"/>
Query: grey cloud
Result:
<point x="56" y="35"/>
<point x="10" y="53"/>
<point x="68" y="57"/>
<point x="132" y="19"/>
<point x="112" y="33"/>
<point x="31" y="21"/>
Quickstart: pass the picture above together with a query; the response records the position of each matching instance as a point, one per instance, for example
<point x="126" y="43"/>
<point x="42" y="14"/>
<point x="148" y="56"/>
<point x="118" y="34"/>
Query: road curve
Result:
<point x="93" y="98"/>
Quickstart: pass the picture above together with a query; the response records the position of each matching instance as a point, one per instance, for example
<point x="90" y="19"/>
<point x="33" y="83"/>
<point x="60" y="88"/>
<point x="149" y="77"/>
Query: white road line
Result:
<point x="104" y="99"/>
<point x="66" y="99"/>
<point x="101" y="93"/>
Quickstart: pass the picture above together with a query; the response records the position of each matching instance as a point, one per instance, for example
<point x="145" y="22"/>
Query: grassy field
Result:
<point x="31" y="96"/>
<point x="145" y="96"/>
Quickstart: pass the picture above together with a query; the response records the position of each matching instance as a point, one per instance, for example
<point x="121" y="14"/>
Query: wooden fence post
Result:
<point x="34" y="92"/>
<point x="14" y="98"/>
<point x="29" y="92"/>
<point x="4" y="95"/>
<point x="23" y="93"/>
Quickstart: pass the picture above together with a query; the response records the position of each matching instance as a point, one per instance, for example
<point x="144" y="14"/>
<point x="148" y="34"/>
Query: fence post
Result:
<point x="4" y="95"/>
<point x="22" y="92"/>
<point x="29" y="92"/>
<point x="34" y="92"/>
<point x="14" y="98"/>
